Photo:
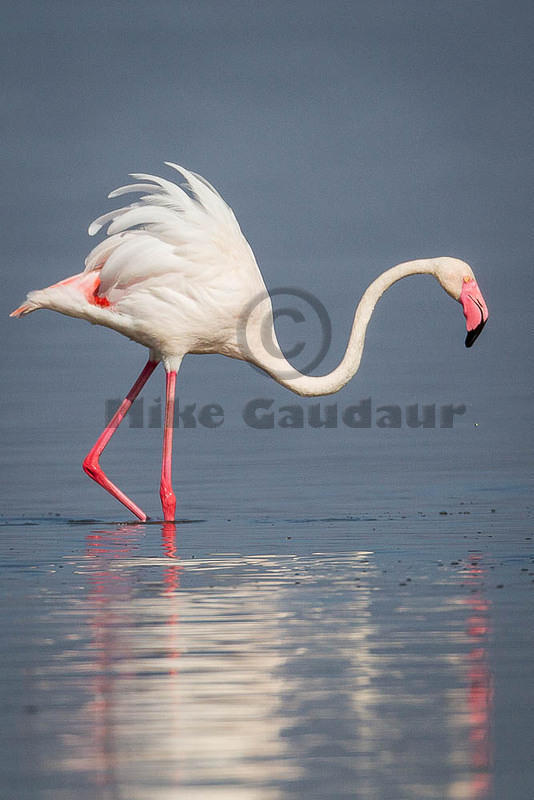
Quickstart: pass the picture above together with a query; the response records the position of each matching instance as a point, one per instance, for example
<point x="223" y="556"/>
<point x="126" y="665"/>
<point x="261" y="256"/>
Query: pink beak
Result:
<point x="475" y="310"/>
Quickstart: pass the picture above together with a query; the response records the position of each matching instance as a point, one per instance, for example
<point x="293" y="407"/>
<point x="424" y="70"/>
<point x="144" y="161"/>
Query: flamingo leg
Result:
<point x="168" y="499"/>
<point x="91" y="463"/>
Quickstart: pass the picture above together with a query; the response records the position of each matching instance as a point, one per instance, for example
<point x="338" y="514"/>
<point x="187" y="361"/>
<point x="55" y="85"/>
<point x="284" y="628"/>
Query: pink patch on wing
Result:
<point x="98" y="300"/>
<point x="88" y="284"/>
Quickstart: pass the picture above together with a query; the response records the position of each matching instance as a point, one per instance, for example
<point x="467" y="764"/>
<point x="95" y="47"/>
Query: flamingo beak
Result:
<point x="475" y="310"/>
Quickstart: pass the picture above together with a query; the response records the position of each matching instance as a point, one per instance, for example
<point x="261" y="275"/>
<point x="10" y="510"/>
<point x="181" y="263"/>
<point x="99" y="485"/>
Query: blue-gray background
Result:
<point x="347" y="136"/>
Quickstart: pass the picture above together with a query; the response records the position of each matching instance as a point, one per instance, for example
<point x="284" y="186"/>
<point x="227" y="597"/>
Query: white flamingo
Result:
<point x="176" y="274"/>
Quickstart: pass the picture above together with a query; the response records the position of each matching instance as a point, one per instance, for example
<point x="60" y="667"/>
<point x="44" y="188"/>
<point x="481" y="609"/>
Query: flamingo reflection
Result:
<point x="111" y="589"/>
<point x="480" y="693"/>
<point x="171" y="582"/>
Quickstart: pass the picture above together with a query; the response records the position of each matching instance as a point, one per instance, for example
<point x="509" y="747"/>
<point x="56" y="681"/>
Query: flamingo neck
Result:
<point x="274" y="362"/>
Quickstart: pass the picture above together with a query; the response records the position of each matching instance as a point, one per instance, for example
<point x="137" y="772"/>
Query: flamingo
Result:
<point x="176" y="274"/>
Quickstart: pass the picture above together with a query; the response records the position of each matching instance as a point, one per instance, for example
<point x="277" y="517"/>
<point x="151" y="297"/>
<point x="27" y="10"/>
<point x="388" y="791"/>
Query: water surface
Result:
<point x="268" y="658"/>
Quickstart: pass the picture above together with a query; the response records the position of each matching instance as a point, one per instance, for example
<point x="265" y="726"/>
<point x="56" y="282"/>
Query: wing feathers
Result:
<point x="189" y="232"/>
<point x="170" y="188"/>
<point x="103" y="250"/>
<point x="133" y="187"/>
<point x="99" y="222"/>
<point x="142" y="215"/>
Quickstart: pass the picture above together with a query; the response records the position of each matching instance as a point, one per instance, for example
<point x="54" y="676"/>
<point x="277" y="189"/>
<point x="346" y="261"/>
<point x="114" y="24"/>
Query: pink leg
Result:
<point x="168" y="500"/>
<point x="91" y="462"/>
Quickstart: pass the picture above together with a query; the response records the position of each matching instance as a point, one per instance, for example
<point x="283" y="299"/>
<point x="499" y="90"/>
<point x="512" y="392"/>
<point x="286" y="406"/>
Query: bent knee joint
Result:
<point x="91" y="467"/>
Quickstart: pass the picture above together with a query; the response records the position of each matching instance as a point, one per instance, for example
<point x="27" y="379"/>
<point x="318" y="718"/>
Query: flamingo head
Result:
<point x="458" y="280"/>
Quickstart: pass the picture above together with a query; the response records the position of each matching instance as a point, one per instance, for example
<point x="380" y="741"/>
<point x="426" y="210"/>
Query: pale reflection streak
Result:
<point x="108" y="588"/>
<point x="330" y="668"/>
<point x="216" y="675"/>
<point x="186" y="689"/>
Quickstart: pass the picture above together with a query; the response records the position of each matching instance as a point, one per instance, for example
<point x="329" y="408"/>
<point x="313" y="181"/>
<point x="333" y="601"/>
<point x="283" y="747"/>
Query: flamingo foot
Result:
<point x="92" y="468"/>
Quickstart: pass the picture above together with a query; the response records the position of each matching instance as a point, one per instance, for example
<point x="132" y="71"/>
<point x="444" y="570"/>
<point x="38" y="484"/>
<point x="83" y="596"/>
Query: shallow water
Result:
<point x="269" y="658"/>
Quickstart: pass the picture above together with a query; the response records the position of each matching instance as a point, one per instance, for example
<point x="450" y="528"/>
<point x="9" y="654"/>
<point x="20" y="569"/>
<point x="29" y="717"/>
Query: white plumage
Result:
<point x="174" y="267"/>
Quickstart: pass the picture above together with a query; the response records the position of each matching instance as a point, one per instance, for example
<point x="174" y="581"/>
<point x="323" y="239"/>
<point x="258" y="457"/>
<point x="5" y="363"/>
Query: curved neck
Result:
<point x="275" y="363"/>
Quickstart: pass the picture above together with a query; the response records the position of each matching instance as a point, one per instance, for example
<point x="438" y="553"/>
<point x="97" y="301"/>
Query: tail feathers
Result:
<point x="77" y="296"/>
<point x="25" y="308"/>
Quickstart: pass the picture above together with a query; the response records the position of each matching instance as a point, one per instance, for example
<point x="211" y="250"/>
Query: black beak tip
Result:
<point x="473" y="335"/>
